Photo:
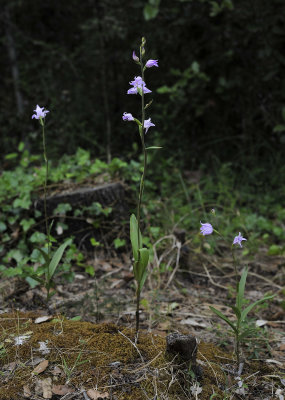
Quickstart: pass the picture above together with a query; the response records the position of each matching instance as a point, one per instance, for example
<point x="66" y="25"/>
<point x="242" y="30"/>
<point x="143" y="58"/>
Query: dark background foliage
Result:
<point x="219" y="91"/>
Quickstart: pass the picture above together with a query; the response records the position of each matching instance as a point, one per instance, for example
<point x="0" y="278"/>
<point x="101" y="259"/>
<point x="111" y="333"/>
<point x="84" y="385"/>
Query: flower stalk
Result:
<point x="51" y="262"/>
<point x="239" y="325"/>
<point x="140" y="253"/>
<point x="48" y="286"/>
<point x="45" y="183"/>
<point x="141" y="184"/>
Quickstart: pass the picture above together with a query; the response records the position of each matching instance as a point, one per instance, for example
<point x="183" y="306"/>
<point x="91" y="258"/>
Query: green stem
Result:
<point x="138" y="310"/>
<point x="144" y="153"/>
<point x="141" y="129"/>
<point x="45" y="202"/>
<point x="235" y="265"/>
<point x="237" y="344"/>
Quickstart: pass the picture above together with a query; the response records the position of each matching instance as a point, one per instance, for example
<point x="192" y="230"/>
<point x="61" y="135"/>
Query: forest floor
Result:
<point x="62" y="357"/>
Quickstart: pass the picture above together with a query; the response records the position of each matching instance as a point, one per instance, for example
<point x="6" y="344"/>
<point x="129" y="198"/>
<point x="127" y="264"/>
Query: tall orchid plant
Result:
<point x="140" y="253"/>
<point x="51" y="261"/>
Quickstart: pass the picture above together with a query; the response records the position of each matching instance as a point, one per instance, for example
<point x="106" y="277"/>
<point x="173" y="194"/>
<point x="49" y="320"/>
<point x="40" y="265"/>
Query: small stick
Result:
<point x="178" y="245"/>
<point x="208" y="362"/>
<point x="121" y="333"/>
<point x="211" y="280"/>
<point x="146" y="365"/>
<point x="266" y="280"/>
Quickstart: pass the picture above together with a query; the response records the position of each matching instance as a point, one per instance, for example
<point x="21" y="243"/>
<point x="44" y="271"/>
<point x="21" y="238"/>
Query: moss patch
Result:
<point x="102" y="356"/>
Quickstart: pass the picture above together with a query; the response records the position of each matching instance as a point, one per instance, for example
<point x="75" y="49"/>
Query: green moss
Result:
<point x="100" y="345"/>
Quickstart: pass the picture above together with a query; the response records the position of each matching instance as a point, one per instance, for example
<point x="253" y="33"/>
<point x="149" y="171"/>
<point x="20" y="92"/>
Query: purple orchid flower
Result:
<point x="147" y="124"/>
<point x="135" y="58"/>
<point x="128" y="117"/>
<point x="138" y="85"/>
<point x="206" y="229"/>
<point x="151" y="63"/>
<point x="39" y="112"/>
<point x="238" y="239"/>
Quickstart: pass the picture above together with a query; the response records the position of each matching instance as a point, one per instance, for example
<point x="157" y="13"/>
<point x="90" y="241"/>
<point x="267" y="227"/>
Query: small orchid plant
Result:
<point x="239" y="326"/>
<point x="140" y="253"/>
<point x="51" y="261"/>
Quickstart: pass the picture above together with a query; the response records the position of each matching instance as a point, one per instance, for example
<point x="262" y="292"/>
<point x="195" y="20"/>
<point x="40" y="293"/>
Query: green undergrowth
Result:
<point x="230" y="199"/>
<point x="22" y="230"/>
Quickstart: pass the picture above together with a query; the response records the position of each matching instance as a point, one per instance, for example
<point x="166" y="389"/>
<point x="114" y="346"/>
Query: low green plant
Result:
<point x="118" y="243"/>
<point x="49" y="266"/>
<point x="69" y="370"/>
<point x="240" y="326"/>
<point x="20" y="238"/>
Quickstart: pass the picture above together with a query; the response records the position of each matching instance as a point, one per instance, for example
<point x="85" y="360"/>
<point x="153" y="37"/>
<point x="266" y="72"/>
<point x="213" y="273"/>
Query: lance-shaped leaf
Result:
<point x="221" y="315"/>
<point x="142" y="267"/>
<point x="37" y="278"/>
<point x="250" y="307"/>
<point x="45" y="256"/>
<point x="241" y="287"/>
<point x="136" y="271"/>
<point x="143" y="261"/>
<point x="237" y="311"/>
<point x="135" y="238"/>
<point x="57" y="257"/>
<point x="142" y="281"/>
<point x="246" y="333"/>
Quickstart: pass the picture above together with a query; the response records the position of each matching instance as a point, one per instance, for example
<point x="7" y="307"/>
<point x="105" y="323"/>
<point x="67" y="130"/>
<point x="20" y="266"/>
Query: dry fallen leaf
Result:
<point x="19" y="340"/>
<point x="127" y="276"/>
<point x="95" y="394"/>
<point x="261" y="322"/>
<point x="79" y="276"/>
<point x="273" y="324"/>
<point x="46" y="385"/>
<point x="270" y="361"/>
<point x="38" y="389"/>
<point x="193" y="322"/>
<point x="41" y="367"/>
<point x="27" y="391"/>
<point x="117" y="263"/>
<point x="35" y="361"/>
<point x="117" y="283"/>
<point x="105" y="266"/>
<point x="282" y="347"/>
<point x="10" y="367"/>
<point x="45" y="318"/>
<point x="61" y="390"/>
<point x="56" y="371"/>
<point x="164" y="326"/>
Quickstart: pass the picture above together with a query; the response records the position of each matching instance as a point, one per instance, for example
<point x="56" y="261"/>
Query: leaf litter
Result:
<point x="183" y="307"/>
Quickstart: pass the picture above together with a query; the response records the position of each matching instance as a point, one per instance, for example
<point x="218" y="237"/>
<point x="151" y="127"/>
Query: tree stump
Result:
<point x="80" y="223"/>
<point x="185" y="347"/>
